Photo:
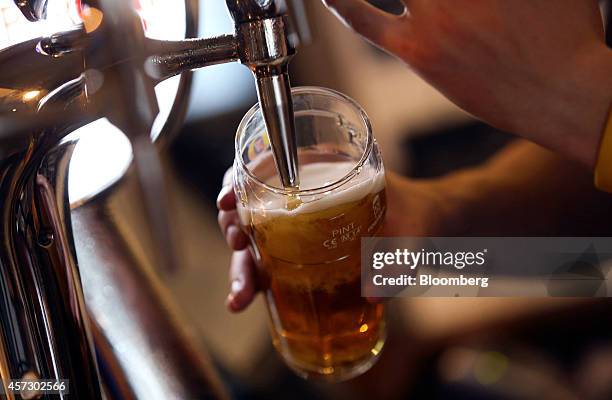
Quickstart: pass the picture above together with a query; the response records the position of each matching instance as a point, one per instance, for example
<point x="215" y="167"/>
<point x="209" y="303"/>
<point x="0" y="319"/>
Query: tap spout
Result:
<point x="274" y="93"/>
<point x="264" y="47"/>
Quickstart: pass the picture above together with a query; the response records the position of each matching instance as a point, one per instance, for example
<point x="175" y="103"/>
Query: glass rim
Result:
<point x="318" y="190"/>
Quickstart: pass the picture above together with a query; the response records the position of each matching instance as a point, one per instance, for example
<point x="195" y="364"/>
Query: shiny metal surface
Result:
<point x="12" y="127"/>
<point x="24" y="69"/>
<point x="61" y="43"/>
<point x="158" y="355"/>
<point x="48" y="88"/>
<point x="251" y="10"/>
<point x="265" y="48"/>
<point x="133" y="112"/>
<point x="167" y="59"/>
<point x="33" y="10"/>
<point x="45" y="329"/>
<point x="274" y="93"/>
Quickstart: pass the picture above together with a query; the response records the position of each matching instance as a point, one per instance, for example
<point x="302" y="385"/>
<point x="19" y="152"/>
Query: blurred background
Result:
<point x="438" y="348"/>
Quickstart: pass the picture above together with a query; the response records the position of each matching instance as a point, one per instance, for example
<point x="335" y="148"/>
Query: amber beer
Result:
<point x="310" y="256"/>
<point x="307" y="240"/>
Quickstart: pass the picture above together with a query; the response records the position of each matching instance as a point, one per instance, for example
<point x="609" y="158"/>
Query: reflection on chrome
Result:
<point x="113" y="77"/>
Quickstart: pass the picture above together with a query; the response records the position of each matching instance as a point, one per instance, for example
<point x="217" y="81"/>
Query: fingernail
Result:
<point x="237" y="285"/>
<point x="222" y="193"/>
<point x="229" y="301"/>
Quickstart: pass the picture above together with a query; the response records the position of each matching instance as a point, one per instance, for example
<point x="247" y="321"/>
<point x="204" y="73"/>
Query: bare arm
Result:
<point x="524" y="190"/>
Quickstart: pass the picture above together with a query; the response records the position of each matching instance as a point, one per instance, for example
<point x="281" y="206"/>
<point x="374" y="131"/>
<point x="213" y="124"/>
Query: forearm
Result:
<point x="572" y="110"/>
<point x="523" y="191"/>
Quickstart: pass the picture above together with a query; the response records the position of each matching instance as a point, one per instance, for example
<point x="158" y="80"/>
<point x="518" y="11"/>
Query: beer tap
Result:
<point x="106" y="68"/>
<point x="264" y="46"/>
<point x="265" y="42"/>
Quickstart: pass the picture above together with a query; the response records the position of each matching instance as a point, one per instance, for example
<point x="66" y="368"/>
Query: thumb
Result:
<point x="389" y="31"/>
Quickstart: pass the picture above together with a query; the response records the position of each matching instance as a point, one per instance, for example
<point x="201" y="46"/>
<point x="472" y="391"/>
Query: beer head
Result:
<point x="317" y="175"/>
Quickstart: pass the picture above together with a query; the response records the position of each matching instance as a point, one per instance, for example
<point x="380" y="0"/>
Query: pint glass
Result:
<point x="306" y="242"/>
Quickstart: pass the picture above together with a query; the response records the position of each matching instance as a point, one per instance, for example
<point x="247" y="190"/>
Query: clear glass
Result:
<point x="307" y="242"/>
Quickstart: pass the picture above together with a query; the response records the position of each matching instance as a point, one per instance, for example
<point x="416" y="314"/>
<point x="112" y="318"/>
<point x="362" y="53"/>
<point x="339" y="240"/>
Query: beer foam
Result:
<point x="318" y="175"/>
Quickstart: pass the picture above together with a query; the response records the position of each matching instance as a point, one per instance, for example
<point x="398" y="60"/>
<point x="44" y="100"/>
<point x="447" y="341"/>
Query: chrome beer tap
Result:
<point x="51" y="86"/>
<point x="264" y="46"/>
<point x="264" y="42"/>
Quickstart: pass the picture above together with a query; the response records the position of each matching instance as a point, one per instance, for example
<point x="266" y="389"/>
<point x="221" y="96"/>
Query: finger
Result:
<point x="236" y="238"/>
<point x="242" y="281"/>
<point x="381" y="28"/>
<point x="229" y="223"/>
<point x="226" y="200"/>
<point x="225" y="219"/>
